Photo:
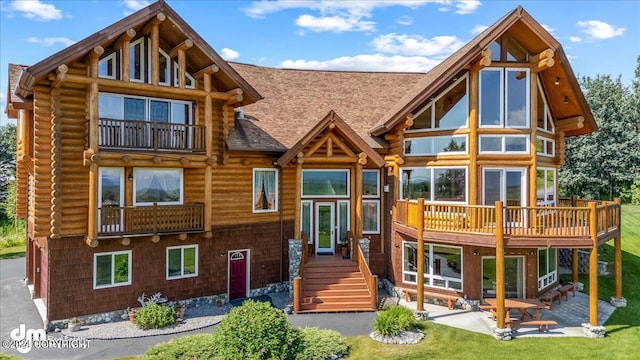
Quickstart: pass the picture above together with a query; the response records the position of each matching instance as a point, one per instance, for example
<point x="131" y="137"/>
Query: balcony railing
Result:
<point x="150" y="135"/>
<point x="540" y="221"/>
<point x="155" y="219"/>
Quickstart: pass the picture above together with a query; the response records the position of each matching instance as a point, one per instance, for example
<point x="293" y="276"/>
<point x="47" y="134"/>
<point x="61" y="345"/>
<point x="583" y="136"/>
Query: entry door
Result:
<point x="513" y="277"/>
<point x="325" y="227"/>
<point x="238" y="274"/>
<point x="508" y="186"/>
<point x="111" y="200"/>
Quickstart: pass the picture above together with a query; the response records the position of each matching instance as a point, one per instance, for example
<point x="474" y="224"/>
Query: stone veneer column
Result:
<point x="295" y="256"/>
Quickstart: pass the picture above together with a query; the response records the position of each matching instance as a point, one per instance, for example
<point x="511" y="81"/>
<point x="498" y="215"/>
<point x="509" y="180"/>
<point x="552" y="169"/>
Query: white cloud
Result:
<point x="373" y="62"/>
<point x="229" y="54"/>
<point x="334" y="23"/>
<point x="575" y="39"/>
<point x="549" y="29"/>
<point x="478" y="29"/>
<point x="438" y="46"/>
<point x="405" y="20"/>
<point x="50" y="41"/>
<point x="37" y="10"/>
<point x="600" y="30"/>
<point x="464" y="7"/>
<point x="135" y="5"/>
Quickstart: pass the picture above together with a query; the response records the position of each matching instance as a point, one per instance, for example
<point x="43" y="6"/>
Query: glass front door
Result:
<point x="111" y="199"/>
<point x="325" y="228"/>
<point x="513" y="277"/>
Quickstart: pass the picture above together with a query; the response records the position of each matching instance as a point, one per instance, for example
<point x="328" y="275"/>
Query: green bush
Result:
<point x="154" y="316"/>
<point x="190" y="347"/>
<point x="256" y="330"/>
<point x="319" y="344"/>
<point x="632" y="194"/>
<point x="394" y="319"/>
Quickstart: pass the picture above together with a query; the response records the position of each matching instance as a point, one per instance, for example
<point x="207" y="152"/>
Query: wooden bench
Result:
<point x="548" y="298"/>
<point x="564" y="291"/>
<point x="451" y="299"/>
<point x="539" y="323"/>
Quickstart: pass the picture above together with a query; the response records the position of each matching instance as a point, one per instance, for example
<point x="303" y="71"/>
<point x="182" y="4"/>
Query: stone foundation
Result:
<point x="295" y="256"/>
<point x="421" y="315"/>
<point x="505" y="334"/>
<point x="622" y="302"/>
<point x="364" y="245"/>
<point x="595" y="332"/>
<point x="404" y="337"/>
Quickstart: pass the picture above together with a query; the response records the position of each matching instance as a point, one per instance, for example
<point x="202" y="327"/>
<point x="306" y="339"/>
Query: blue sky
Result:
<point x="599" y="37"/>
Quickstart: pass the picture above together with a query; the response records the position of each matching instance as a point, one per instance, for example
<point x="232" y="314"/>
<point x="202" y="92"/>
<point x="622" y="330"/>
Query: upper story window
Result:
<point x="190" y="82"/>
<point x="136" y="60"/>
<point x="164" y="66"/>
<point x="436" y="145"/>
<point x="161" y="186"/>
<point x="265" y="190"/>
<point x="503" y="144"/>
<point x="107" y="66"/>
<point x="507" y="49"/>
<point x="504" y="98"/>
<point x="371" y="183"/>
<point x="446" y="184"/>
<point x="126" y="107"/>
<point x="450" y="110"/>
<point x="543" y="117"/>
<point x="325" y="183"/>
<point x="546" y="187"/>
<point x="545" y="147"/>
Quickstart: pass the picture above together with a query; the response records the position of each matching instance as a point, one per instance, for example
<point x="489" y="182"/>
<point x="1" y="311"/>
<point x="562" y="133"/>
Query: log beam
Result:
<point x="160" y="17"/>
<point x="483" y="62"/>
<point x="209" y="70"/>
<point x="155" y="52"/>
<point x="572" y="123"/>
<point x="60" y="76"/>
<point x="545" y="54"/>
<point x="125" y="40"/>
<point x="183" y="46"/>
<point x="593" y="264"/>
<point x="500" y="278"/>
<point x="542" y="65"/>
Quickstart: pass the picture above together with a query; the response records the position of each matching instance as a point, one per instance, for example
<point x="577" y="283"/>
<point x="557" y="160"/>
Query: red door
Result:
<point x="237" y="274"/>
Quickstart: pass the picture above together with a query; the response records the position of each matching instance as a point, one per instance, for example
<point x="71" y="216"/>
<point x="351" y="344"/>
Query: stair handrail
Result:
<point x="370" y="279"/>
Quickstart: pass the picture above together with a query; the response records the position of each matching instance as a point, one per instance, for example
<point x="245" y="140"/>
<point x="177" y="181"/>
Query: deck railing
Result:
<point x="519" y="221"/>
<point x="155" y="219"/>
<point x="150" y="135"/>
<point x="370" y="279"/>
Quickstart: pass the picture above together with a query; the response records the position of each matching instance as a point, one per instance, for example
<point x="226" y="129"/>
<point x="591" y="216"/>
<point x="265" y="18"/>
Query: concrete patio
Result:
<point x="570" y="316"/>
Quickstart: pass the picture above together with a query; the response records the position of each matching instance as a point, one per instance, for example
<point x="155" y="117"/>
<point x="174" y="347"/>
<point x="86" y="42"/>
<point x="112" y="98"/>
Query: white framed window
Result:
<point x="344" y="219"/>
<point x="545" y="147"/>
<point x="546" y="187"/>
<point x="504" y="144"/>
<point x="190" y="82"/>
<point x="437" y="184"/>
<point x="547" y="267"/>
<point x="111" y="269"/>
<point x="442" y="265"/>
<point x="323" y="183"/>
<point x="265" y="190"/>
<point x="370" y="216"/>
<point x="182" y="262"/>
<point x="107" y="66"/>
<point x="436" y="145"/>
<point x="504" y="98"/>
<point x="157" y="185"/>
<point x="448" y="111"/>
<point x="370" y="183"/>
<point x="544" y="118"/>
<point x="164" y="67"/>
<point x="130" y="107"/>
<point x="306" y="219"/>
<point x="136" y="60"/>
<point x="504" y="184"/>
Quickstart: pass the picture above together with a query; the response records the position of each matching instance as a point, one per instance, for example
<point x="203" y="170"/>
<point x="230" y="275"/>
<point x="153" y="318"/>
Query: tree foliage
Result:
<point x="603" y="164"/>
<point x="7" y="168"/>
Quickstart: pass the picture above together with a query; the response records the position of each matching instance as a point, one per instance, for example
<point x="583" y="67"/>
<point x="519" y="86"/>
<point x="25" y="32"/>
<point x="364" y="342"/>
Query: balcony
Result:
<point x="569" y="225"/>
<point x="150" y="220"/>
<point x="150" y="136"/>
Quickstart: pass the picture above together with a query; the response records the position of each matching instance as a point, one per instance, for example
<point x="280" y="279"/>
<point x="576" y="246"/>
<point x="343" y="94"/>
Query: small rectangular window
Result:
<point x="435" y="145"/>
<point x="545" y="147"/>
<point x="111" y="269"/>
<point x="370" y="216"/>
<point x="306" y="220"/>
<point x="325" y="183"/>
<point x="371" y="183"/>
<point x="265" y="190"/>
<point x="107" y="66"/>
<point x="504" y="144"/>
<point x="182" y="261"/>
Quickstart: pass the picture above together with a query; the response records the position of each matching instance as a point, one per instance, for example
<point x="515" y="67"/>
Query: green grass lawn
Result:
<point x="12" y="239"/>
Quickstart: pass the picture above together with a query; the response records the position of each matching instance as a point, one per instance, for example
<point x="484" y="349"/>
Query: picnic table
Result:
<point x="522" y="305"/>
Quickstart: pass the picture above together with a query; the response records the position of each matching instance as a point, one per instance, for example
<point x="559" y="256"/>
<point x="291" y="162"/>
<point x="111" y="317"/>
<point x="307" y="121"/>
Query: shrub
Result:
<point x="190" y="347"/>
<point x="394" y="319"/>
<point x="155" y="316"/>
<point x="319" y="344"/>
<point x="256" y="330"/>
<point x="632" y="194"/>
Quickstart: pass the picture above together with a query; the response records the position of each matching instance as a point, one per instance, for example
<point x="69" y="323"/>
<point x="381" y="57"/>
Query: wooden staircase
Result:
<point x="333" y="284"/>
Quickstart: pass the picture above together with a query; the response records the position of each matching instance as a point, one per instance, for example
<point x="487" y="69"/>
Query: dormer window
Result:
<point x="107" y="66"/>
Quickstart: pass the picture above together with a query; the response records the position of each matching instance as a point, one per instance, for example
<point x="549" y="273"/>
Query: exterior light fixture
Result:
<point x="557" y="82"/>
<point x="566" y="99"/>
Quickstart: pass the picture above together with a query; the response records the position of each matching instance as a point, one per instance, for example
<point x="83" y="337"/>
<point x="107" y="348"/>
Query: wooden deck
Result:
<point x="523" y="227"/>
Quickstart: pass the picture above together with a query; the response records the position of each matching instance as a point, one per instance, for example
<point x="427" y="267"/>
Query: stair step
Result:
<point x="333" y="299"/>
<point x="360" y="291"/>
<point x="338" y="306"/>
<point x="353" y="281"/>
<point x="333" y="286"/>
<point x="334" y="274"/>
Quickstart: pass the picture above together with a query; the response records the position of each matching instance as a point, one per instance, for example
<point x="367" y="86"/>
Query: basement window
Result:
<point x="182" y="262"/>
<point x="111" y="269"/>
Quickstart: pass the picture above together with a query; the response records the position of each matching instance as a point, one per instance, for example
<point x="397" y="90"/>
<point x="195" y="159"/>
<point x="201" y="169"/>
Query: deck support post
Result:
<point x="617" y="262"/>
<point x="575" y="266"/>
<point x="593" y="264"/>
<point x="500" y="290"/>
<point x="420" y="251"/>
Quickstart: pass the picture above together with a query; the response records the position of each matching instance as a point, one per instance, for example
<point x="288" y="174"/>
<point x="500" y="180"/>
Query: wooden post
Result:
<point x="500" y="290"/>
<point x="575" y="265"/>
<point x="420" y="256"/>
<point x="92" y="216"/>
<point x="617" y="260"/>
<point x="358" y="193"/>
<point x="155" y="53"/>
<point x="298" y="198"/>
<point x="473" y="139"/>
<point x="593" y="264"/>
<point x="208" y="171"/>
<point x="533" y="170"/>
<point x="297" y="293"/>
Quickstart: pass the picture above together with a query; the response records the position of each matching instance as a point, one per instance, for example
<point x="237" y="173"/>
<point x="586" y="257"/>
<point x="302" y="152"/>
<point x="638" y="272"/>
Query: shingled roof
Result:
<point x="294" y="101"/>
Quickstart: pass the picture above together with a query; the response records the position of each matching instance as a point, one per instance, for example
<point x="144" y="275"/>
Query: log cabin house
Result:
<point x="148" y="163"/>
